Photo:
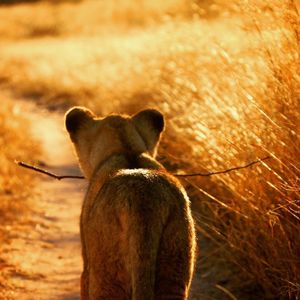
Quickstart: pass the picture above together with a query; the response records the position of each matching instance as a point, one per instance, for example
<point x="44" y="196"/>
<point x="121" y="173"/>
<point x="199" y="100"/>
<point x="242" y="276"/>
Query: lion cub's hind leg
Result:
<point x="108" y="289"/>
<point x="108" y="278"/>
<point x="175" y="261"/>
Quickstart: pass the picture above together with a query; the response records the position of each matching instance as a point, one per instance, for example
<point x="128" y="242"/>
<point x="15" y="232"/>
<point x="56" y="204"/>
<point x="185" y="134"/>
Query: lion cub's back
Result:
<point x="134" y="198"/>
<point x="143" y="190"/>
<point x="139" y="213"/>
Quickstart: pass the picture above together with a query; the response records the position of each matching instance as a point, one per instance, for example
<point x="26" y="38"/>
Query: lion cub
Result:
<point x="137" y="232"/>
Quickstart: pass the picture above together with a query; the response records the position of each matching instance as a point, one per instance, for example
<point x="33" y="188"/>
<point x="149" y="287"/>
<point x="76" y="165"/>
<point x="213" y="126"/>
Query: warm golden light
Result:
<point x="226" y="76"/>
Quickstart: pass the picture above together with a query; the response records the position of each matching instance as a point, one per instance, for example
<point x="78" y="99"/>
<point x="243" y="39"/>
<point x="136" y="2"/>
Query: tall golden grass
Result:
<point x="229" y="86"/>
<point x="16" y="185"/>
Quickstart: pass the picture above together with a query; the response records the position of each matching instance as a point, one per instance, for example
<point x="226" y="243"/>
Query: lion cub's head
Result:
<point x="96" y="139"/>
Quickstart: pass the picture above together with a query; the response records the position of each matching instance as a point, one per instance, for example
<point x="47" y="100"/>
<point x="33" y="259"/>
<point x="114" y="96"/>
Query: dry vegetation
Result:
<point x="229" y="85"/>
<point x="15" y="144"/>
<point x="15" y="184"/>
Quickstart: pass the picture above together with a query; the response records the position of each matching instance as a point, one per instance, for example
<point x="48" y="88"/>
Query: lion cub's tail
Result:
<point x="143" y="250"/>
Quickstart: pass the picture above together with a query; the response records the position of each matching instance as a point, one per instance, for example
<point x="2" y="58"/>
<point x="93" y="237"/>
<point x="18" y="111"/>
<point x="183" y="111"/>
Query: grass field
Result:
<point x="16" y="144"/>
<point x="16" y="185"/>
<point x="227" y="79"/>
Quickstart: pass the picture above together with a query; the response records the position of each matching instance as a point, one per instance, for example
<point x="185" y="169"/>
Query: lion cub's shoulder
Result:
<point x="153" y="186"/>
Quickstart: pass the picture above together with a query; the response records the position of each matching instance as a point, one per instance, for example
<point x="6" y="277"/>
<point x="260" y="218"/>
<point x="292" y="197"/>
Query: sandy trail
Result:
<point x="47" y="252"/>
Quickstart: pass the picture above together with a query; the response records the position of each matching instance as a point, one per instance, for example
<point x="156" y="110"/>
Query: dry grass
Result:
<point x="229" y="87"/>
<point x="92" y="17"/>
<point x="15" y="184"/>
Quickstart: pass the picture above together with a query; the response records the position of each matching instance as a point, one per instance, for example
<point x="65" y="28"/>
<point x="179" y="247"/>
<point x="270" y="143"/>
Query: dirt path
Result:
<point x="47" y="252"/>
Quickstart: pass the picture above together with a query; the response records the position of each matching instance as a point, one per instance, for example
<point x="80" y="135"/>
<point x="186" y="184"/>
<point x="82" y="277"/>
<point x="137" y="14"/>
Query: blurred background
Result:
<point x="226" y="76"/>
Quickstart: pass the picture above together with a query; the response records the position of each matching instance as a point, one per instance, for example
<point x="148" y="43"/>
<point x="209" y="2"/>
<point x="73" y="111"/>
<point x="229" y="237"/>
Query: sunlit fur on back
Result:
<point x="137" y="232"/>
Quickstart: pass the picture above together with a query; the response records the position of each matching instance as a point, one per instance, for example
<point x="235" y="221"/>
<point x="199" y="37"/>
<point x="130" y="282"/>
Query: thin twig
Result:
<point x="59" y="177"/>
<point x="224" y="171"/>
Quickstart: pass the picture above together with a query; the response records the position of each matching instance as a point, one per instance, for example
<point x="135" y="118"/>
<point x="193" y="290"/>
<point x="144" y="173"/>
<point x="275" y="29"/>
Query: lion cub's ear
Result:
<point x="76" y="117"/>
<point x="150" y="124"/>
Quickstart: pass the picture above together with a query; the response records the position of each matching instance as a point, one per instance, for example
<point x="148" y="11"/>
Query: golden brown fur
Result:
<point x="137" y="232"/>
